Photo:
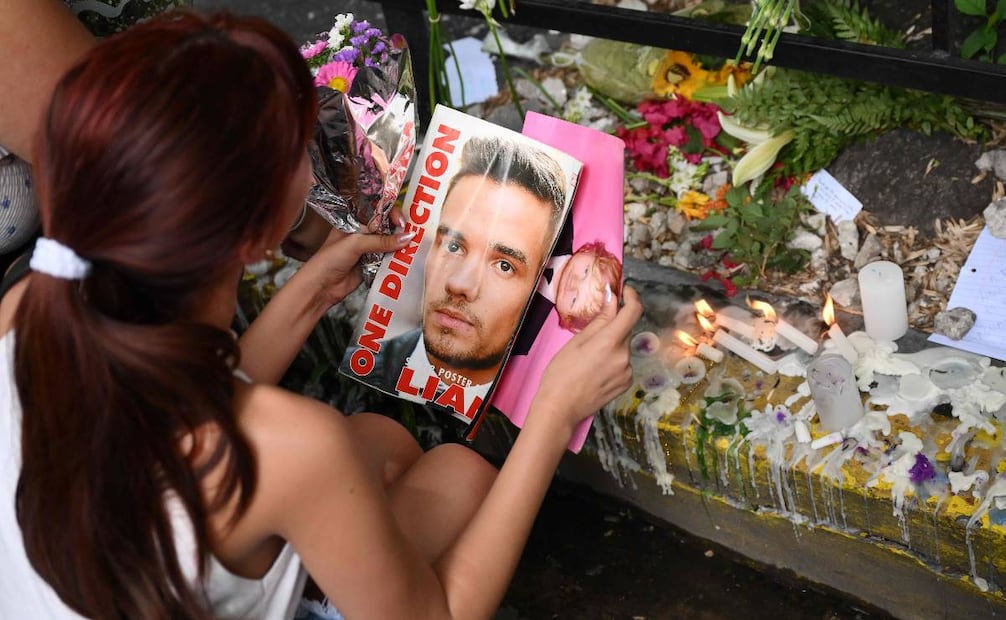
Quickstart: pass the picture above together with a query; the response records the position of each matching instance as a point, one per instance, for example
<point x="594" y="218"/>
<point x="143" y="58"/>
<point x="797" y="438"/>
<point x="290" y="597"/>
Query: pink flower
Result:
<point x="336" y="75"/>
<point x="310" y="50"/>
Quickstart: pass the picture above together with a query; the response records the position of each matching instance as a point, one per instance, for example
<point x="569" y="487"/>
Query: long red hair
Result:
<point x="163" y="151"/>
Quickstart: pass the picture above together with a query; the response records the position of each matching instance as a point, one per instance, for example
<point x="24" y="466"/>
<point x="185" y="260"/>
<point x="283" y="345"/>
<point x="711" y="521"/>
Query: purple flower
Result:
<point x="922" y="470"/>
<point x="378" y="47"/>
<point x="360" y="26"/>
<point x="780" y="415"/>
<point x="346" y="54"/>
<point x="359" y="40"/>
<point x="372" y="32"/>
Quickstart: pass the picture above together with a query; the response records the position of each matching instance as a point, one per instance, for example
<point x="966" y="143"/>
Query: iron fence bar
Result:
<point x="929" y="70"/>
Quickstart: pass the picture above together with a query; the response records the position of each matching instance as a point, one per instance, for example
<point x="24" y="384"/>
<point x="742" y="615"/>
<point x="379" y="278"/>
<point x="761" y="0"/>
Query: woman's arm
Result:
<point x="316" y="493"/>
<point x="272" y="341"/>
<point x="39" y="41"/>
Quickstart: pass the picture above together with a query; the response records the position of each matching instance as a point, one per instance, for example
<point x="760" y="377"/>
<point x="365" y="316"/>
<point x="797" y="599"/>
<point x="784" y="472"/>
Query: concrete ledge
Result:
<point x="920" y="552"/>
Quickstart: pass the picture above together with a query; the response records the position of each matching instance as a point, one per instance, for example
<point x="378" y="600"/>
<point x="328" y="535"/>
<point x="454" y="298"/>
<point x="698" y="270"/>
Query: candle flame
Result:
<point x="828" y="312"/>
<point x="706" y="324"/>
<point x="765" y="308"/>
<point x="703" y="308"/>
<point x="686" y="337"/>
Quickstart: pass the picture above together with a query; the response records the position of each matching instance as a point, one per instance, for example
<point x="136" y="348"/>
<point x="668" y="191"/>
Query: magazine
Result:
<point x="586" y="258"/>
<point x="486" y="205"/>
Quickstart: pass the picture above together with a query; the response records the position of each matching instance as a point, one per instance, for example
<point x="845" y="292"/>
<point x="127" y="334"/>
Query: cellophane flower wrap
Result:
<point x="366" y="131"/>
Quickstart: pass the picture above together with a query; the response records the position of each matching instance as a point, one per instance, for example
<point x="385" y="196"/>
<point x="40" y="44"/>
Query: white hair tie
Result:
<point x="55" y="259"/>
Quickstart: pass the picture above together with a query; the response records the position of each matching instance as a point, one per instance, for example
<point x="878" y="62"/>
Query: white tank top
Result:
<point x="23" y="594"/>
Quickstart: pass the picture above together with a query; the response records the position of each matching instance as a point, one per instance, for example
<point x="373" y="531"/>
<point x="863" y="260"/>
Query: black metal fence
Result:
<point x="938" y="69"/>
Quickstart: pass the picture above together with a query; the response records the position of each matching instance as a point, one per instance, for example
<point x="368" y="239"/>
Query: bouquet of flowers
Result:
<point x="366" y="132"/>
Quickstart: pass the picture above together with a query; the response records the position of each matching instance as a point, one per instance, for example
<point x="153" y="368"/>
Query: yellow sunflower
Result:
<point x="678" y="74"/>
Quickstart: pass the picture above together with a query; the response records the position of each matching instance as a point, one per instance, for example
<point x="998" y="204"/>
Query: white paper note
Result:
<point x="981" y="287"/>
<point x="478" y="74"/>
<point x="830" y="197"/>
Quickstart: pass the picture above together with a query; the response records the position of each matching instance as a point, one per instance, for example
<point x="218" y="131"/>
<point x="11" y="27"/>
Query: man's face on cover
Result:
<point x="490" y="244"/>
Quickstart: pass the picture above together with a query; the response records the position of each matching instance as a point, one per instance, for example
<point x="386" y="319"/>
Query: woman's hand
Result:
<point x="272" y="341"/>
<point x="593" y="367"/>
<point x="334" y="270"/>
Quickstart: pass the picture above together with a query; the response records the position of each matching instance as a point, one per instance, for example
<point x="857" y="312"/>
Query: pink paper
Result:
<point x="597" y="216"/>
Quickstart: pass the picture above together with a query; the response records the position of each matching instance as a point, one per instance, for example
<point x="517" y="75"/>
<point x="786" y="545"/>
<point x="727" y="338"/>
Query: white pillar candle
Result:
<point x="842" y="344"/>
<point x="885" y="311"/>
<point x="796" y="336"/>
<point x="710" y="353"/>
<point x="836" y="396"/>
<point x="741" y="349"/>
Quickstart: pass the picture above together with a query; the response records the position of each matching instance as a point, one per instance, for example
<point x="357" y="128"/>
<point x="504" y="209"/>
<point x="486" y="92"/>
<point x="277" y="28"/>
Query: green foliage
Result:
<point x="828" y="113"/>
<point x="982" y="42"/>
<point x="707" y="428"/>
<point x="846" y="21"/>
<point x="754" y="231"/>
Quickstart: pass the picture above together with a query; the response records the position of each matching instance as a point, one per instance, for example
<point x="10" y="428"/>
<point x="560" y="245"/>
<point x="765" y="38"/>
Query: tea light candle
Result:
<point x="741" y="349"/>
<point x="885" y="311"/>
<point x="691" y="369"/>
<point x="834" y="391"/>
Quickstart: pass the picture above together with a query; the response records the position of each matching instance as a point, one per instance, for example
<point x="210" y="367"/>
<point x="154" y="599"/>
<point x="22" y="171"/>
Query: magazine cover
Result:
<point x="486" y="205"/>
<point x="586" y="259"/>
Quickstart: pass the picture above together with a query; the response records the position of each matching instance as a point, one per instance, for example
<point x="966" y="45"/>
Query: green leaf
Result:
<point x="723" y="240"/>
<point x="709" y="223"/>
<point x="971" y="7"/>
<point x="978" y="40"/>
<point x="1000" y="10"/>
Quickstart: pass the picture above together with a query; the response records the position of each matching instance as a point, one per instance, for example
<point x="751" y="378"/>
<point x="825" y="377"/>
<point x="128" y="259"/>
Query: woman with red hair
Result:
<point x="149" y="468"/>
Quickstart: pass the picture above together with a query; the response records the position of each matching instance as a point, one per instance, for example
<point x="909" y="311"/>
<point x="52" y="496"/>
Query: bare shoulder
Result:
<point x="302" y="448"/>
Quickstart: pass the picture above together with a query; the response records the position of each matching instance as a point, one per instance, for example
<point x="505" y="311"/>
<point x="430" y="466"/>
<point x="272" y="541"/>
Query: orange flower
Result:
<point x="741" y="73"/>
<point x="719" y="202"/>
<point x="694" y="205"/>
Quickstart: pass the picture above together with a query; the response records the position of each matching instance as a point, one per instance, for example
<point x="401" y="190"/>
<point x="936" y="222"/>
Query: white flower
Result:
<point x="684" y="175"/>
<point x="482" y="6"/>
<point x="578" y="106"/>
<point x="337" y="35"/>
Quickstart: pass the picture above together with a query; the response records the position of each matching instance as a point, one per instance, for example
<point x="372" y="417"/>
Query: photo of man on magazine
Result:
<point x="499" y="216"/>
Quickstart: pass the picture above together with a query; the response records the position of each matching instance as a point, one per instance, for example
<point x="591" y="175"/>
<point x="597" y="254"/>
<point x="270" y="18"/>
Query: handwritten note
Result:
<point x="981" y="287"/>
<point x="478" y="74"/>
<point x="829" y="197"/>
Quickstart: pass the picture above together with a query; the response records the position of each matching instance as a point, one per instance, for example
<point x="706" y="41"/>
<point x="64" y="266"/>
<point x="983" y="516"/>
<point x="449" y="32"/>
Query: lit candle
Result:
<point x="701" y="348"/>
<point x="833" y="388"/>
<point x="885" y="311"/>
<point x="842" y="344"/>
<point x="736" y="326"/>
<point x="784" y="329"/>
<point x="741" y="349"/>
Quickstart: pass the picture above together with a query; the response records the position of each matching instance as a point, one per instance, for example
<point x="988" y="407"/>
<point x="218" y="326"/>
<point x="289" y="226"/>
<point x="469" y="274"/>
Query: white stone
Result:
<point x="846" y="293"/>
<point x="848" y="239"/>
<point x="805" y="240"/>
<point x="995" y="218"/>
